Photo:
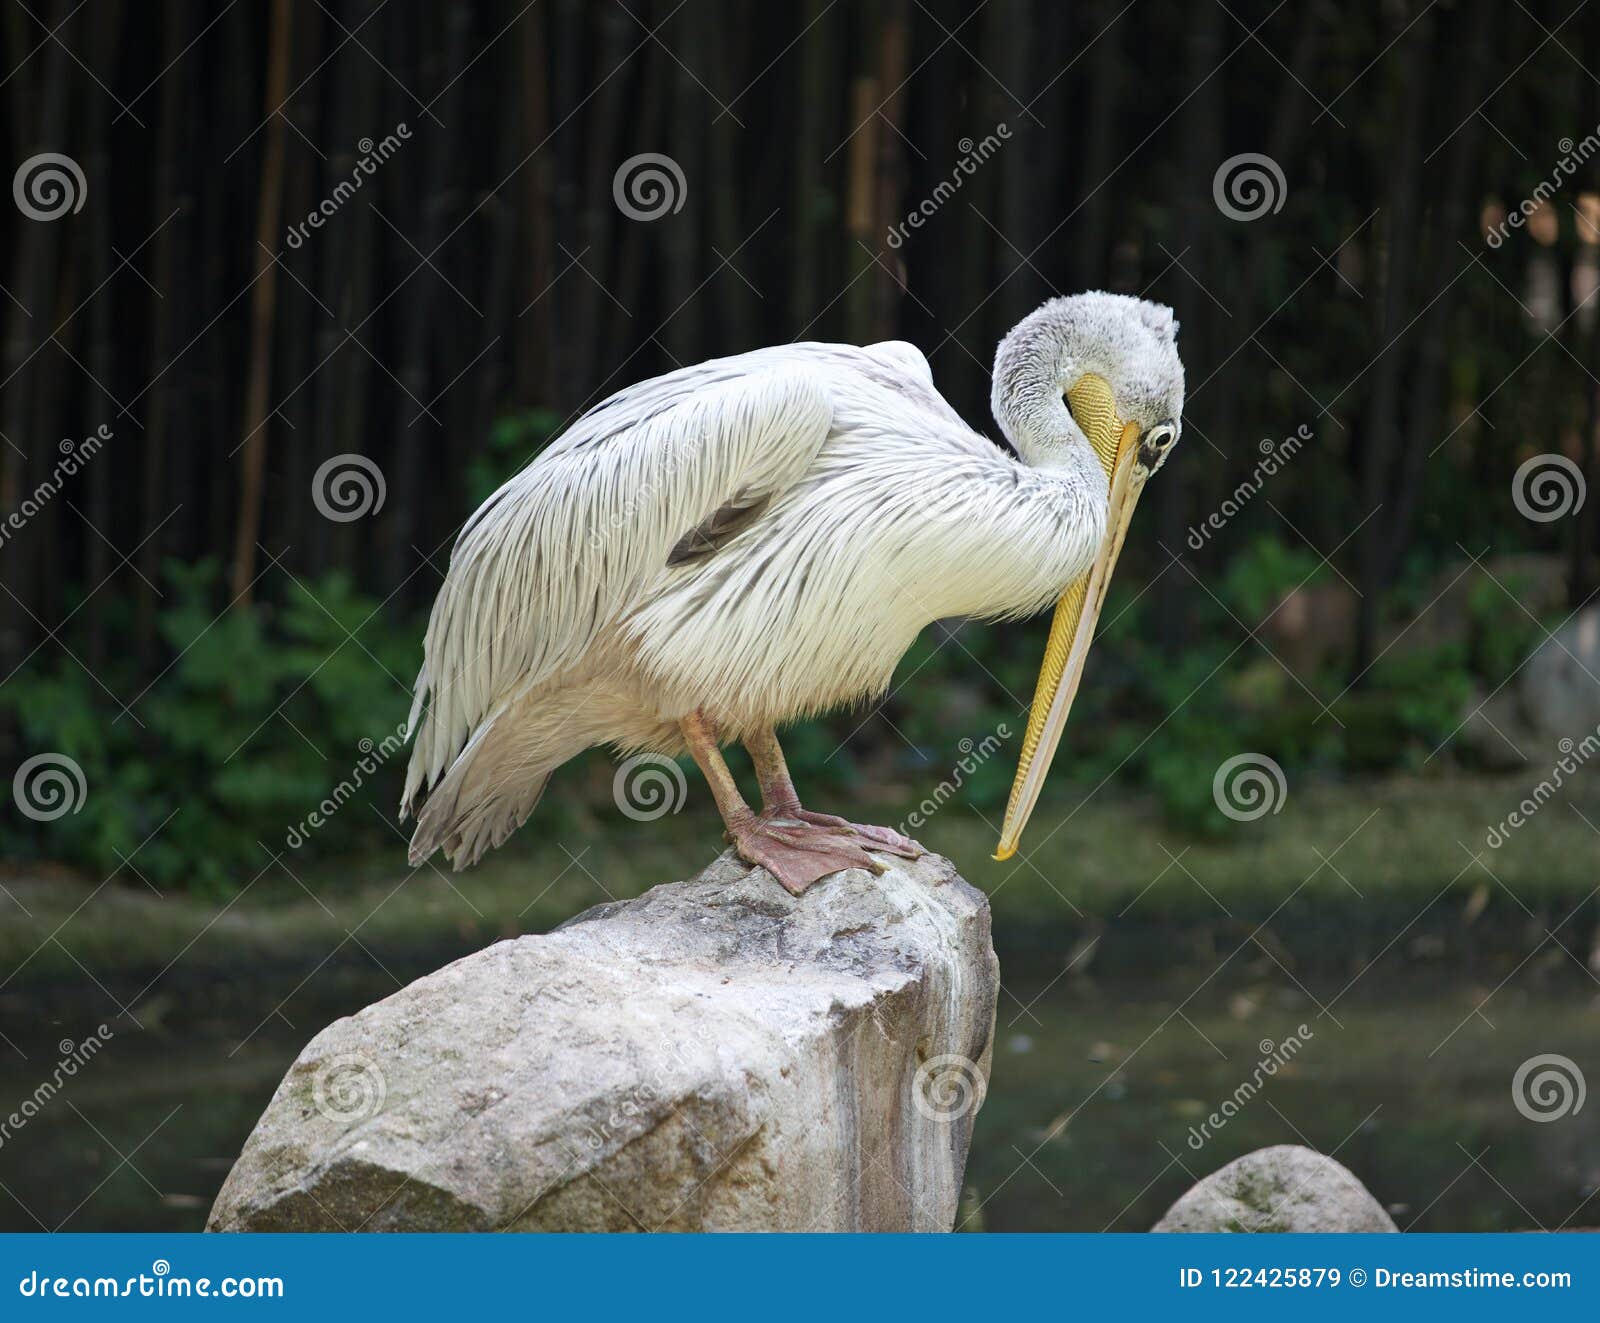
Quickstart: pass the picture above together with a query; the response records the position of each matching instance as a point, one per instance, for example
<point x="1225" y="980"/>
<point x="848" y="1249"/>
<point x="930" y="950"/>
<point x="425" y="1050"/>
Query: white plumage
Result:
<point x="755" y="539"/>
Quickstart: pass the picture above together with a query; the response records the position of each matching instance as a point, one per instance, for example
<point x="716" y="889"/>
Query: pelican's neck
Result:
<point x="1031" y="411"/>
<point x="1029" y="527"/>
<point x="1028" y="401"/>
<point x="1059" y="449"/>
<point x="1062" y="516"/>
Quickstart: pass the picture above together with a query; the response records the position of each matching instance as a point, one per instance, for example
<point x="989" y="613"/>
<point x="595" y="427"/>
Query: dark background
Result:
<point x="182" y="622"/>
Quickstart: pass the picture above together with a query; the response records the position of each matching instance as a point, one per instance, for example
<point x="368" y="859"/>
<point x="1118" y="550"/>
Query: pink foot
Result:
<point x="882" y="838"/>
<point x="798" y="853"/>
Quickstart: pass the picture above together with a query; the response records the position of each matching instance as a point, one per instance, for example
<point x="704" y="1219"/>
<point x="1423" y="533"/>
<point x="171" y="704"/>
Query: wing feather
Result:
<point x="573" y="542"/>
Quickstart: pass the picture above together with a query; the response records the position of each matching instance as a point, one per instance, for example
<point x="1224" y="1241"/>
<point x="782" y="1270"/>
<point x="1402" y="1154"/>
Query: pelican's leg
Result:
<point x="795" y="851"/>
<point x="779" y="799"/>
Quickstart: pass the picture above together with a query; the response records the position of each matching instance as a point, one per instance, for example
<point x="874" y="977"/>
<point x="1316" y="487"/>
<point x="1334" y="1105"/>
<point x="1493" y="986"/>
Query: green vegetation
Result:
<point x="262" y="710"/>
<point x="272" y="714"/>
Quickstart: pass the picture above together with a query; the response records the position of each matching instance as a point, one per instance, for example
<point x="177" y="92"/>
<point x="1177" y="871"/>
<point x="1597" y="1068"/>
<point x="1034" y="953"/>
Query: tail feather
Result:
<point x="493" y="784"/>
<point x="465" y="825"/>
<point x="488" y="793"/>
<point x="482" y="828"/>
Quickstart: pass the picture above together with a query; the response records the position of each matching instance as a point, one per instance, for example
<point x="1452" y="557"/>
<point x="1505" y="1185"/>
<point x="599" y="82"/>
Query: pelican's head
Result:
<point x="1091" y="383"/>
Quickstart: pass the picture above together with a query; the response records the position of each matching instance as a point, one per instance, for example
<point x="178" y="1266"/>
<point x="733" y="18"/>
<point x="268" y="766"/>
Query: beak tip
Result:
<point x="1003" y="852"/>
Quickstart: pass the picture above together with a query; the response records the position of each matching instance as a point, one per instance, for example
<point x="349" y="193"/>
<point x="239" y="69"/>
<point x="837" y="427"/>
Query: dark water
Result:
<point x="1098" y="1116"/>
<point x="1091" y="1122"/>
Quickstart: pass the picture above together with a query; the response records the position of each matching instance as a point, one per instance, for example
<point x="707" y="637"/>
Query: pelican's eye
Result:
<point x="1156" y="444"/>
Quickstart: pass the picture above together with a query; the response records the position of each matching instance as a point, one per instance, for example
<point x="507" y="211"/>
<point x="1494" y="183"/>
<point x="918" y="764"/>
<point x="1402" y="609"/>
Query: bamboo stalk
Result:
<point x="263" y="303"/>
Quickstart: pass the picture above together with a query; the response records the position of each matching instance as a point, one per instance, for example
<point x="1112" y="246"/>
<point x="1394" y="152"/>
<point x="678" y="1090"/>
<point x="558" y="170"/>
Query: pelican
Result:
<point x="748" y="542"/>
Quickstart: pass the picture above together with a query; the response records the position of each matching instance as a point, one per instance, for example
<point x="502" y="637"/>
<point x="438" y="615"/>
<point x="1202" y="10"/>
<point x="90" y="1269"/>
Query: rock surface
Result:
<point x="1284" y="1188"/>
<point x="715" y="1055"/>
<point x="1559" y="691"/>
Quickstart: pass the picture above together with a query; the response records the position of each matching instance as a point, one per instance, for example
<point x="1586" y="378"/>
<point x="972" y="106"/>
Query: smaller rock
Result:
<point x="1283" y="1188"/>
<point x="1550" y="707"/>
<point x="1557" y="687"/>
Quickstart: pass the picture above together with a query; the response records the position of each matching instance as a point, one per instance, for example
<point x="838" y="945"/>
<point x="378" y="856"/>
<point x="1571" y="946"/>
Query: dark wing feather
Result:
<point x="725" y="524"/>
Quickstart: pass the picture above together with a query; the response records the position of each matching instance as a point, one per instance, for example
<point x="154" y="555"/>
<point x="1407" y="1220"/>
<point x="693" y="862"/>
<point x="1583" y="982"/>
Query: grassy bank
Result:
<point x="1341" y="874"/>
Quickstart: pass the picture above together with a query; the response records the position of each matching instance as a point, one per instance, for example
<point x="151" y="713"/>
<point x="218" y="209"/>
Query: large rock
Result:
<point x="715" y="1055"/>
<point x="1284" y="1188"/>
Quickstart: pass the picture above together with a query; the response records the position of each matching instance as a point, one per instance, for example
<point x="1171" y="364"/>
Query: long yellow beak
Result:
<point x="1116" y="445"/>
